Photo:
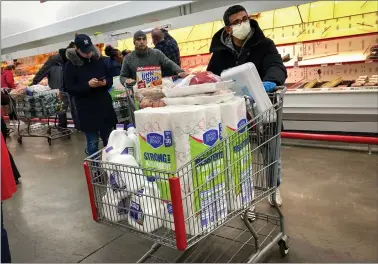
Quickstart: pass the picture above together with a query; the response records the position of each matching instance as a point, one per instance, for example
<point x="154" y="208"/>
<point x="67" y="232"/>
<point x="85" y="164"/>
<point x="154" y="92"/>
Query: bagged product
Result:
<point x="194" y="84"/>
<point x="247" y="82"/>
<point x="239" y="157"/>
<point x="200" y="99"/>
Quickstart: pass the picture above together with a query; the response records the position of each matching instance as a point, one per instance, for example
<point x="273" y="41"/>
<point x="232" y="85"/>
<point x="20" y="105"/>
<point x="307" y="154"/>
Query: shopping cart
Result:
<point x="200" y="221"/>
<point x="124" y="106"/>
<point x="42" y="105"/>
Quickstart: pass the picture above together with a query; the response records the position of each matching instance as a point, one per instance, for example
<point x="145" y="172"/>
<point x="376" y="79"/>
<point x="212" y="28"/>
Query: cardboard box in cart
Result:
<point x="149" y="76"/>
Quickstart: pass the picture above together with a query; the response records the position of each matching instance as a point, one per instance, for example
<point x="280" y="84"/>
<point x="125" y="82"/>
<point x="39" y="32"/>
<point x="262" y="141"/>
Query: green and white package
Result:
<point x="170" y="140"/>
<point x="156" y="147"/>
<point x="195" y="130"/>
<point x="239" y="178"/>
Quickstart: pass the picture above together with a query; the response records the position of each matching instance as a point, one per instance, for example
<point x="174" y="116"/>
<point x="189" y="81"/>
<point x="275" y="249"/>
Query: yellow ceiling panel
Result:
<point x="181" y="34"/>
<point x="201" y="31"/>
<point x="321" y="10"/>
<point x="349" y="8"/>
<point x="217" y="25"/>
<point x="286" y="17"/>
<point x="266" y="19"/>
<point x="305" y="12"/>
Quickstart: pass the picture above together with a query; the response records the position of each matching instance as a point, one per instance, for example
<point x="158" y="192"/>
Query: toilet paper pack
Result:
<point x="191" y="130"/>
<point x="195" y="130"/>
<point x="239" y="177"/>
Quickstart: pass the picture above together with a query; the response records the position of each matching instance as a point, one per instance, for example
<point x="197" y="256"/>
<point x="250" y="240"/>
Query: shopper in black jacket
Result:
<point x="242" y="41"/>
<point x="53" y="70"/>
<point x="88" y="79"/>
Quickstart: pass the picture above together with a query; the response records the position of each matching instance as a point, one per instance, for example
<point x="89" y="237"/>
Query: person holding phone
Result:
<point x="88" y="79"/>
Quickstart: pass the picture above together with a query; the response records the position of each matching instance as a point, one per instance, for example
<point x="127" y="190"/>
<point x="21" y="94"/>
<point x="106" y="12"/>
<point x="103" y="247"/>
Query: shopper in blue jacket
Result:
<point x="88" y="79"/>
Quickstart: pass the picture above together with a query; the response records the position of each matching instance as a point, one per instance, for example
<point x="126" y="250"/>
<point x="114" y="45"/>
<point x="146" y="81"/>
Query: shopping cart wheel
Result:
<point x="49" y="141"/>
<point x="19" y="140"/>
<point x="284" y="246"/>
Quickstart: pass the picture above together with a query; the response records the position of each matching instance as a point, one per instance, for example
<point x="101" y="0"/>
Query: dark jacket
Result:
<point x="114" y="66"/>
<point x="94" y="105"/>
<point x="170" y="49"/>
<point x="257" y="49"/>
<point x="53" y="70"/>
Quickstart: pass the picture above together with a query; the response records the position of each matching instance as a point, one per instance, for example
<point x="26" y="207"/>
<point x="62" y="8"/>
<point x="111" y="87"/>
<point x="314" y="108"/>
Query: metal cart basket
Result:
<point x="47" y="105"/>
<point x="200" y="220"/>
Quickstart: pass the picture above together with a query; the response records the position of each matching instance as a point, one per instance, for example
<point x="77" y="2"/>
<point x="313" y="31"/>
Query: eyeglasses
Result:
<point x="141" y="38"/>
<point x="238" y="21"/>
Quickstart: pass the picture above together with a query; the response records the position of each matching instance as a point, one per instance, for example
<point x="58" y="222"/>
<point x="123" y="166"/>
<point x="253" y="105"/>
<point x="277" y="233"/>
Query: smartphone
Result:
<point x="101" y="79"/>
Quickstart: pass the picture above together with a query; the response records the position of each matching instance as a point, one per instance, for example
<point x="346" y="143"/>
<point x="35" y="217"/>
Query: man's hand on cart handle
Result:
<point x="269" y="86"/>
<point x="182" y="74"/>
<point x="130" y="82"/>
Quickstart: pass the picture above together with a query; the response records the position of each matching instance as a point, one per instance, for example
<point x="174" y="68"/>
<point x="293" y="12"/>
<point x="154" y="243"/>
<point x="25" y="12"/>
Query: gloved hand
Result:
<point x="269" y="86"/>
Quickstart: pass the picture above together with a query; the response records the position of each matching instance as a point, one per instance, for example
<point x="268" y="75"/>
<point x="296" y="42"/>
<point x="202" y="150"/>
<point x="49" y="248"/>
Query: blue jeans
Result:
<point x="93" y="138"/>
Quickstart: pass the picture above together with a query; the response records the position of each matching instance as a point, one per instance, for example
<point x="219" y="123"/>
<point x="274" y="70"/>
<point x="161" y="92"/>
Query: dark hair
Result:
<point x="125" y="52"/>
<point x="231" y="11"/>
<point x="71" y="45"/>
<point x="110" y="51"/>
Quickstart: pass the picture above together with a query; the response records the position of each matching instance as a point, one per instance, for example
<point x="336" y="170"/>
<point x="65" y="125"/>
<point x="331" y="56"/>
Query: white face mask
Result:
<point x="241" y="31"/>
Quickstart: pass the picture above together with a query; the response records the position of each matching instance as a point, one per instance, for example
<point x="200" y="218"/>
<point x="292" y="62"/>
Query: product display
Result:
<point x="333" y="83"/>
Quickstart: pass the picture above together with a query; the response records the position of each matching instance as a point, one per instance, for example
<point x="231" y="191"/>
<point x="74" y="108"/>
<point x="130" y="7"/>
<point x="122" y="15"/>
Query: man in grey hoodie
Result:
<point x="143" y="56"/>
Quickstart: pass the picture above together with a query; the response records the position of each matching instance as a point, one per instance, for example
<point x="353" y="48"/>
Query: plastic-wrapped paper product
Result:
<point x="247" y="82"/>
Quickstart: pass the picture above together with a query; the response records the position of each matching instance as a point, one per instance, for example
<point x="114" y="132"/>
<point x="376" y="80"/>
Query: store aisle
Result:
<point x="330" y="204"/>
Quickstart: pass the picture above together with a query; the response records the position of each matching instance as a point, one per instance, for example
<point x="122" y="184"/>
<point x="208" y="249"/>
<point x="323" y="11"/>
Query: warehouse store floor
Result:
<point x="330" y="203"/>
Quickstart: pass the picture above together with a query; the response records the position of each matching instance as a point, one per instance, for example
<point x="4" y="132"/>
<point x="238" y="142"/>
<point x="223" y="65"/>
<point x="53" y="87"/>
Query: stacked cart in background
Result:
<point x="123" y="102"/>
<point x="40" y="102"/>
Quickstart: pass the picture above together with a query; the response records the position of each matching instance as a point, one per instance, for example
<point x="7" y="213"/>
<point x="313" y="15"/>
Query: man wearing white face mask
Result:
<point x="242" y="41"/>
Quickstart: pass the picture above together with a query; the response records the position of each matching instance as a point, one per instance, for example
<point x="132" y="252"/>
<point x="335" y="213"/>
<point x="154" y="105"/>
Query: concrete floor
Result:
<point x="330" y="205"/>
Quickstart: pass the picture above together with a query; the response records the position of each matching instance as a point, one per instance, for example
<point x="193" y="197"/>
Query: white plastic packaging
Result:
<point x="202" y="99"/>
<point x="146" y="209"/>
<point x="180" y="91"/>
<point x="127" y="178"/>
<point x="118" y="142"/>
<point x="115" y="205"/>
<point x="247" y="82"/>
<point x="132" y="134"/>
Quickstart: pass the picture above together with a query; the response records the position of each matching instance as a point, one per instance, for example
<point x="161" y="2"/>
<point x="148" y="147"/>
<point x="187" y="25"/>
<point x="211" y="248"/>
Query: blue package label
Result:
<point x="136" y="212"/>
<point x="210" y="137"/>
<point x="169" y="208"/>
<point x="109" y="149"/>
<point x="155" y="140"/>
<point x="242" y="123"/>
<point x="220" y="131"/>
<point x="168" y="138"/>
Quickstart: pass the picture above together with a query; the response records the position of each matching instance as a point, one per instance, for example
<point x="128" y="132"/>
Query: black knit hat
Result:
<point x="139" y="34"/>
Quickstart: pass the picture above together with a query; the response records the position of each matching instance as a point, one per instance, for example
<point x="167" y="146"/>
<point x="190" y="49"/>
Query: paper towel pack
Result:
<point x="239" y="178"/>
<point x="193" y="130"/>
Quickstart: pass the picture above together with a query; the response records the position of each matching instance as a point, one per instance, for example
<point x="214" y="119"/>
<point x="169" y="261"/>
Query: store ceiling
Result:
<point x="124" y="16"/>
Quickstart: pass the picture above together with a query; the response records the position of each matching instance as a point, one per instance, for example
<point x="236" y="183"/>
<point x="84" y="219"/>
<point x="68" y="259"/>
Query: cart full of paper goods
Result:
<point x="39" y="106"/>
<point x="193" y="175"/>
